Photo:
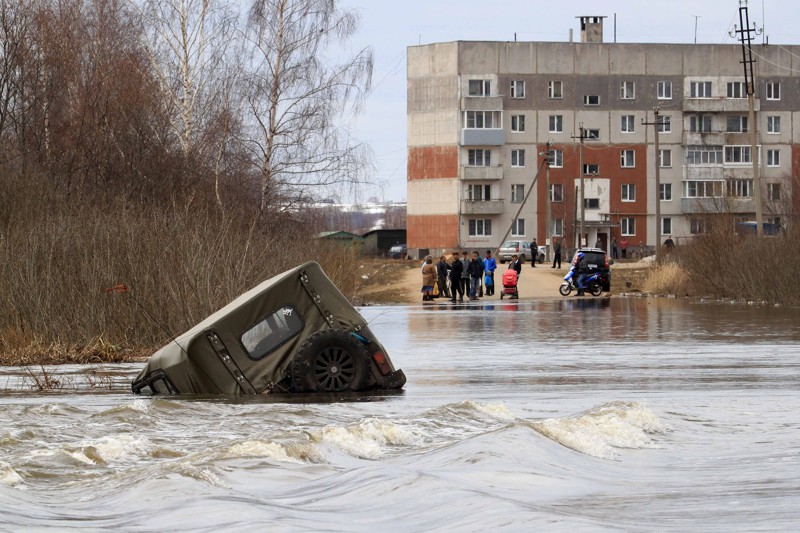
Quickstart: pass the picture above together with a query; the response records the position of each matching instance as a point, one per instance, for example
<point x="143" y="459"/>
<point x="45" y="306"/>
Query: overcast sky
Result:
<point x="389" y="27"/>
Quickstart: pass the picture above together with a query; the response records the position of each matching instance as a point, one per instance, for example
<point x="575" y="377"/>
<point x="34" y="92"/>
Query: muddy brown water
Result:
<point x="574" y="414"/>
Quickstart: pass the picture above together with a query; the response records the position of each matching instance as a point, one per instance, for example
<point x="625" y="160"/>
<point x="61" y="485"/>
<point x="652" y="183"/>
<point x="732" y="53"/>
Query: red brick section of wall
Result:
<point x="608" y="157"/>
<point x="794" y="182"/>
<point x="432" y="231"/>
<point x="432" y="162"/>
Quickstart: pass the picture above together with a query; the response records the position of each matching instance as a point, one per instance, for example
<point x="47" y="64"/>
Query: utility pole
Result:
<point x="582" y="136"/>
<point x="746" y="37"/>
<point x="695" y="27"/>
<point x="656" y="127"/>
<point x="548" y="237"/>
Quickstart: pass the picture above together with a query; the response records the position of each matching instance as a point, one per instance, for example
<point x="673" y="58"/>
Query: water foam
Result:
<point x="108" y="449"/>
<point x="367" y="439"/>
<point x="293" y="453"/>
<point x="603" y="429"/>
<point x="9" y="476"/>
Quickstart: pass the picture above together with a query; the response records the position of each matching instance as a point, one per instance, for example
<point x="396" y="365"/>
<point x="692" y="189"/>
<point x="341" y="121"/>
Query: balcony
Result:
<point x="717" y="205"/>
<point x="707" y="138"/>
<point x="703" y="173"/>
<point x="483" y="137"/>
<point x="718" y="105"/>
<point x="715" y="138"/>
<point x="482" y="103"/>
<point x="482" y="207"/>
<point x="482" y="173"/>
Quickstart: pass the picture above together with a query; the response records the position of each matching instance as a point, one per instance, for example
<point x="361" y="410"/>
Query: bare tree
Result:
<point x="295" y="94"/>
<point x="187" y="42"/>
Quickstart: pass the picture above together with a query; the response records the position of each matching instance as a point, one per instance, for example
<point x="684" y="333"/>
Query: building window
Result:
<point x="628" y="192"/>
<point x="698" y="226"/>
<point x="591" y="134"/>
<point x="592" y="169"/>
<point x="479" y="157"/>
<point x="702" y="189"/>
<point x="664" y="90"/>
<point x="773" y="158"/>
<point x="699" y="123"/>
<point x="557" y="229"/>
<point x="627" y="124"/>
<point x="591" y="99"/>
<point x="773" y="124"/>
<point x="627" y="158"/>
<point x="665" y="192"/>
<point x="518" y="123"/>
<point x="700" y="89"/>
<point x="518" y="227"/>
<point x="627" y="90"/>
<point x="737" y="89"/>
<point x="479" y="193"/>
<point x="628" y="226"/>
<point x="666" y="226"/>
<point x="737" y="155"/>
<point x="517" y="89"/>
<point x="555" y="89"/>
<point x="556" y="192"/>
<point x="773" y="90"/>
<point x="480" y="227"/>
<point x="517" y="194"/>
<point x="482" y="120"/>
<point x="665" y="158"/>
<point x="737" y="124"/>
<point x="704" y="155"/>
<point x="480" y="87"/>
<point x="665" y="124"/>
<point x="740" y="188"/>
<point x="591" y="203"/>
<point x="556" y="124"/>
<point x="517" y="158"/>
<point x="556" y="158"/>
<point x="774" y="191"/>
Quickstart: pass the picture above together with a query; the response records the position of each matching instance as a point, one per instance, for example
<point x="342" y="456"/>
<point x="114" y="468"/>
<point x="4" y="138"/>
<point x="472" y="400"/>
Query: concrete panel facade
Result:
<point x="661" y="75"/>
<point x="433" y="197"/>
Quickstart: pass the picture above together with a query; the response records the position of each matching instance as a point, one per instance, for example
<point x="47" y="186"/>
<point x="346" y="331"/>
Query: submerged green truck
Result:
<point x="295" y="332"/>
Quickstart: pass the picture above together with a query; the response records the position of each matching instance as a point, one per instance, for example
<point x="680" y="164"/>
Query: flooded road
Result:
<point x="575" y="414"/>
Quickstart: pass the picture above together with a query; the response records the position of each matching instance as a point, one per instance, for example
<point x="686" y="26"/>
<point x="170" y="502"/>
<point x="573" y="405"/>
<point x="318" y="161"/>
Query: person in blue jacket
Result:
<point x="489" y="266"/>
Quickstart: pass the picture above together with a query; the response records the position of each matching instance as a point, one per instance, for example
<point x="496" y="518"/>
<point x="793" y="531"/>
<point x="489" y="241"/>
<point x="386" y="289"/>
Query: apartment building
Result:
<point x="482" y="117"/>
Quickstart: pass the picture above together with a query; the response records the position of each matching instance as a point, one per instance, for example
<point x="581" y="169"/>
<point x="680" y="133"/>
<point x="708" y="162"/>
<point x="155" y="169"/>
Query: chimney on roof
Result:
<point x="591" y="29"/>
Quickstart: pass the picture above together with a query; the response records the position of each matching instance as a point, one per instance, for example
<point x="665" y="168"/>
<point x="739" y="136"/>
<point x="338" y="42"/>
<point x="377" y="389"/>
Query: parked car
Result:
<point x="597" y="261"/>
<point x="292" y="333"/>
<point x="542" y="254"/>
<point x="398" y="251"/>
<point x="521" y="248"/>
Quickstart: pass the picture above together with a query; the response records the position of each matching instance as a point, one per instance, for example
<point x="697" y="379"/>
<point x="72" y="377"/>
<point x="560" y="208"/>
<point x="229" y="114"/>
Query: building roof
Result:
<point x="340" y="235"/>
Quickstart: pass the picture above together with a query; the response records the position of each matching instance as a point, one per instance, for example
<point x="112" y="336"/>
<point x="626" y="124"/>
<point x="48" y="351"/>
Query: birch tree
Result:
<point x="187" y="41"/>
<point x="295" y="93"/>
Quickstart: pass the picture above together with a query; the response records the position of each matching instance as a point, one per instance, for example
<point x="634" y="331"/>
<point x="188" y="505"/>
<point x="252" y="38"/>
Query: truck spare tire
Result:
<point x="330" y="361"/>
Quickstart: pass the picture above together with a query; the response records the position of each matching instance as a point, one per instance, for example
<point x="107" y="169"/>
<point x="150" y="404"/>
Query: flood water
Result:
<point x="569" y="415"/>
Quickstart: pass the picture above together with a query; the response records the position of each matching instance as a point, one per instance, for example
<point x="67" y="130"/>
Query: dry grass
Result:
<point x="667" y="278"/>
<point x="180" y="261"/>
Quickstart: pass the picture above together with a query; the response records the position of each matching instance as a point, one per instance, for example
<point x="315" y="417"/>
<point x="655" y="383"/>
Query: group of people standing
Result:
<point x="465" y="274"/>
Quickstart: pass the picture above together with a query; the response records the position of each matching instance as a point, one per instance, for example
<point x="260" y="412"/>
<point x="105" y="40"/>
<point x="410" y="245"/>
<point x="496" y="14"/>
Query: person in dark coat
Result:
<point x="456" y="269"/>
<point x="515" y="264"/>
<point x="475" y="270"/>
<point x="534" y="252"/>
<point x="556" y="252"/>
<point x="441" y="270"/>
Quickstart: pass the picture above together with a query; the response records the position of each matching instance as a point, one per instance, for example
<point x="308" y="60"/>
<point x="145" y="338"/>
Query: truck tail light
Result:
<point x="381" y="363"/>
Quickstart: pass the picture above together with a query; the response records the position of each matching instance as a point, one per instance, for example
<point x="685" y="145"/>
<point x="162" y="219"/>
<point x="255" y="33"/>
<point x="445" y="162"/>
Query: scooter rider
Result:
<point x="581" y="268"/>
